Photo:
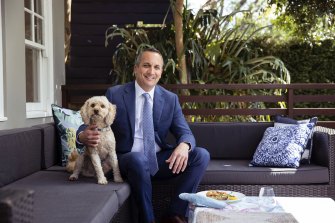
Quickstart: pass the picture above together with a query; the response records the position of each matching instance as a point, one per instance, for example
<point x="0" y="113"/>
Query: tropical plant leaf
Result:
<point x="217" y="49"/>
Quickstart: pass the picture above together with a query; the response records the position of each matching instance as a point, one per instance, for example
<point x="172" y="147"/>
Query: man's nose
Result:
<point x="150" y="70"/>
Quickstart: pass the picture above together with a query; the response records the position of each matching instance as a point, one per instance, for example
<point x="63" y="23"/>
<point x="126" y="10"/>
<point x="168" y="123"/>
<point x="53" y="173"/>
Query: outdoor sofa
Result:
<point x="35" y="188"/>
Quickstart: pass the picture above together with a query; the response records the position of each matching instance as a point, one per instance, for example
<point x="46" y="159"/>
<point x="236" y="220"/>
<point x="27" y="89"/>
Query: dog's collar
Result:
<point x="106" y="129"/>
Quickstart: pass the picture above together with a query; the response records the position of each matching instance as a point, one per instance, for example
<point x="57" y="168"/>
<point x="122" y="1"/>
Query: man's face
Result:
<point x="149" y="70"/>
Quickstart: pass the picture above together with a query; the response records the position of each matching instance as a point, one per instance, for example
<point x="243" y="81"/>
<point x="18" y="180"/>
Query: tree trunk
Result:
<point x="178" y="22"/>
<point x="67" y="24"/>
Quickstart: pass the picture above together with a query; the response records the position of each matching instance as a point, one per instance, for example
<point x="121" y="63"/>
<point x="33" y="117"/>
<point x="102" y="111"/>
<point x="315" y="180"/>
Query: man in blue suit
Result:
<point x="184" y="159"/>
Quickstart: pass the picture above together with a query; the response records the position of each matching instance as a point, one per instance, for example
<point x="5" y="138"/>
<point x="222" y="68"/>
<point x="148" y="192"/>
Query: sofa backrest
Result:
<point x="233" y="140"/>
<point x="50" y="153"/>
<point x="20" y="153"/>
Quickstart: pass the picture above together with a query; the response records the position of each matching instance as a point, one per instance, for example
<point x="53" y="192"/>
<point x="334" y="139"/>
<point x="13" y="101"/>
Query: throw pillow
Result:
<point x="287" y="120"/>
<point x="67" y="122"/>
<point x="311" y="123"/>
<point x="281" y="146"/>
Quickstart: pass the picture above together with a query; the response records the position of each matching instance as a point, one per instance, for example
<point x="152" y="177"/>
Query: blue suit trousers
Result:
<point x="134" y="169"/>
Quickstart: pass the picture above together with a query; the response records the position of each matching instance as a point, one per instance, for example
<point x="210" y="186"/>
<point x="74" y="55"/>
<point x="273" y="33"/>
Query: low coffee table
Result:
<point x="288" y="210"/>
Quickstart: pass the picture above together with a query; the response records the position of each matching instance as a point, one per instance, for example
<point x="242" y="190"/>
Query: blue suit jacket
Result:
<point x="167" y="115"/>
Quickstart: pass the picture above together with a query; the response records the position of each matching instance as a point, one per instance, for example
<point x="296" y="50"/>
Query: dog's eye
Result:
<point x="103" y="106"/>
<point x="92" y="105"/>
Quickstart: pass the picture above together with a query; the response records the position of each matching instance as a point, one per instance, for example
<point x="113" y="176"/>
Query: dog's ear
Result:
<point x="109" y="119"/>
<point x="84" y="113"/>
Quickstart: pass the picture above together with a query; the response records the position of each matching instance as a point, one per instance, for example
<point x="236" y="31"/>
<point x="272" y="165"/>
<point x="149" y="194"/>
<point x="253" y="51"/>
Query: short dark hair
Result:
<point x="146" y="49"/>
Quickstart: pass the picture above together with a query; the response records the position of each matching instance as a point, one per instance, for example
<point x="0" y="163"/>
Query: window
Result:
<point x="39" y="61"/>
<point x="2" y="115"/>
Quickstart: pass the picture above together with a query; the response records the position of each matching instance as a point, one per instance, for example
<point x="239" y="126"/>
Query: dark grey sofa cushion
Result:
<point x="229" y="140"/>
<point x="121" y="191"/>
<point x="238" y="172"/>
<point x="20" y="151"/>
<point x="66" y="201"/>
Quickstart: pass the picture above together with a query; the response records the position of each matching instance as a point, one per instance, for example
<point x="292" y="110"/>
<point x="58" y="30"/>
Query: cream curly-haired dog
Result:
<point x="97" y="161"/>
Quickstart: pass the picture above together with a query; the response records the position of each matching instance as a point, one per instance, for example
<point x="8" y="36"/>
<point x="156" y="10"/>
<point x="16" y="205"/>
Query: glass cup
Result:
<point x="266" y="199"/>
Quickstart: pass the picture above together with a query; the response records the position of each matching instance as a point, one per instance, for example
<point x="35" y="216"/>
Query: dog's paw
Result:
<point x="118" y="180"/>
<point x="102" y="181"/>
<point x="73" y="177"/>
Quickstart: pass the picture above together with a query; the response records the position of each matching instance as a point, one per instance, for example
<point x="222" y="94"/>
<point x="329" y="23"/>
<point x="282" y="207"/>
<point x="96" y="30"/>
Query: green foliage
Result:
<point x="217" y="49"/>
<point x="310" y="19"/>
<point x="135" y="39"/>
<point x="307" y="63"/>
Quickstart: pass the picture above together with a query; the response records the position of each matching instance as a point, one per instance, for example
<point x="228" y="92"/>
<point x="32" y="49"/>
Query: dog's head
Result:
<point x="98" y="110"/>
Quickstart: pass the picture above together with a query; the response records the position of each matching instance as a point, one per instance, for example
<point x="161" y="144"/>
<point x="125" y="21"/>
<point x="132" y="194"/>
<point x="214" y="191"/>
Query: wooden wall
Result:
<point x="90" y="61"/>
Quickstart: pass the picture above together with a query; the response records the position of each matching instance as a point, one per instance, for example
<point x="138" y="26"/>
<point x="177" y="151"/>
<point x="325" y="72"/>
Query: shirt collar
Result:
<point x="139" y="91"/>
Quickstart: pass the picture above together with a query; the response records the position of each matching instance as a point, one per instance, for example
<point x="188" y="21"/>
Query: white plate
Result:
<point x="239" y="195"/>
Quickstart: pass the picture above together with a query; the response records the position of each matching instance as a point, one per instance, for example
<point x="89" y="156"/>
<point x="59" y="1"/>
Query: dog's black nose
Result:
<point x="96" y="111"/>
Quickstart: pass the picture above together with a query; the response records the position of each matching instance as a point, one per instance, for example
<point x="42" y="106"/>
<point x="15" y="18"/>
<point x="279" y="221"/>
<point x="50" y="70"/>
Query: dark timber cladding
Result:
<point x="90" y="60"/>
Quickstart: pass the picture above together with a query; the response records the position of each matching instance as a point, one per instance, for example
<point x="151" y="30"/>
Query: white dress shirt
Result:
<point x="139" y="102"/>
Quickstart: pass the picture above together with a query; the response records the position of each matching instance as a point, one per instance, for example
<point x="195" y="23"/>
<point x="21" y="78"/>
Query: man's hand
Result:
<point x="179" y="157"/>
<point x="90" y="136"/>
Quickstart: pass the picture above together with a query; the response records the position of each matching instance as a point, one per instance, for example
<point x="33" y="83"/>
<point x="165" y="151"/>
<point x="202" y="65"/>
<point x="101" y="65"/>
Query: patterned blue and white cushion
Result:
<point x="67" y="122"/>
<point x="281" y="146"/>
<point x="311" y="123"/>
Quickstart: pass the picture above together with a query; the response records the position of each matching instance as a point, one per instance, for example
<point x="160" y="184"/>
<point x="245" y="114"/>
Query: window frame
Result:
<point x="46" y="71"/>
<point x="2" y="104"/>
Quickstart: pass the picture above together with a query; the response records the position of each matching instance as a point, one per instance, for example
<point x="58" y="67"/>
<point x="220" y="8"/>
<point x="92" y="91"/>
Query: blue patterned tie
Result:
<point x="149" y="135"/>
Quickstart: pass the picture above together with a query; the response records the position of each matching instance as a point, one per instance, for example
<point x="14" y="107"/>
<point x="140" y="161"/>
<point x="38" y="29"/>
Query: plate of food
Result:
<point x="223" y="195"/>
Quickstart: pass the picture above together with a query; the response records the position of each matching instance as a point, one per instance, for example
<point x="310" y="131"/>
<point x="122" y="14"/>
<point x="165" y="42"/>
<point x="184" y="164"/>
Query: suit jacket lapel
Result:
<point x="158" y="105"/>
<point x="129" y="100"/>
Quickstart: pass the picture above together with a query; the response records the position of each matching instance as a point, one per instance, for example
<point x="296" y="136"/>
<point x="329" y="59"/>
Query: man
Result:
<point x="166" y="161"/>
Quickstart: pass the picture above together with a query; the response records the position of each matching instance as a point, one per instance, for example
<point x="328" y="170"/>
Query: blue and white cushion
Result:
<point x="311" y="123"/>
<point x="67" y="122"/>
<point x="281" y="146"/>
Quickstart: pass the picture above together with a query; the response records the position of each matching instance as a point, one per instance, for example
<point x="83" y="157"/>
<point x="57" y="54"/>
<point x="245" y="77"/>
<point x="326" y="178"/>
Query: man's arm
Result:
<point x="185" y="140"/>
<point x="180" y="128"/>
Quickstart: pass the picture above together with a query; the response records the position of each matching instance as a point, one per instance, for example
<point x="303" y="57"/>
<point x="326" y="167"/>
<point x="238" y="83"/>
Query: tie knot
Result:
<point x="146" y="96"/>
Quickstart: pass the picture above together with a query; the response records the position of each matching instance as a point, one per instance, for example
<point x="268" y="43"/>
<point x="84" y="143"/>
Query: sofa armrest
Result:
<point x="323" y="146"/>
<point x="328" y="131"/>
<point x="323" y="152"/>
<point x="16" y="205"/>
